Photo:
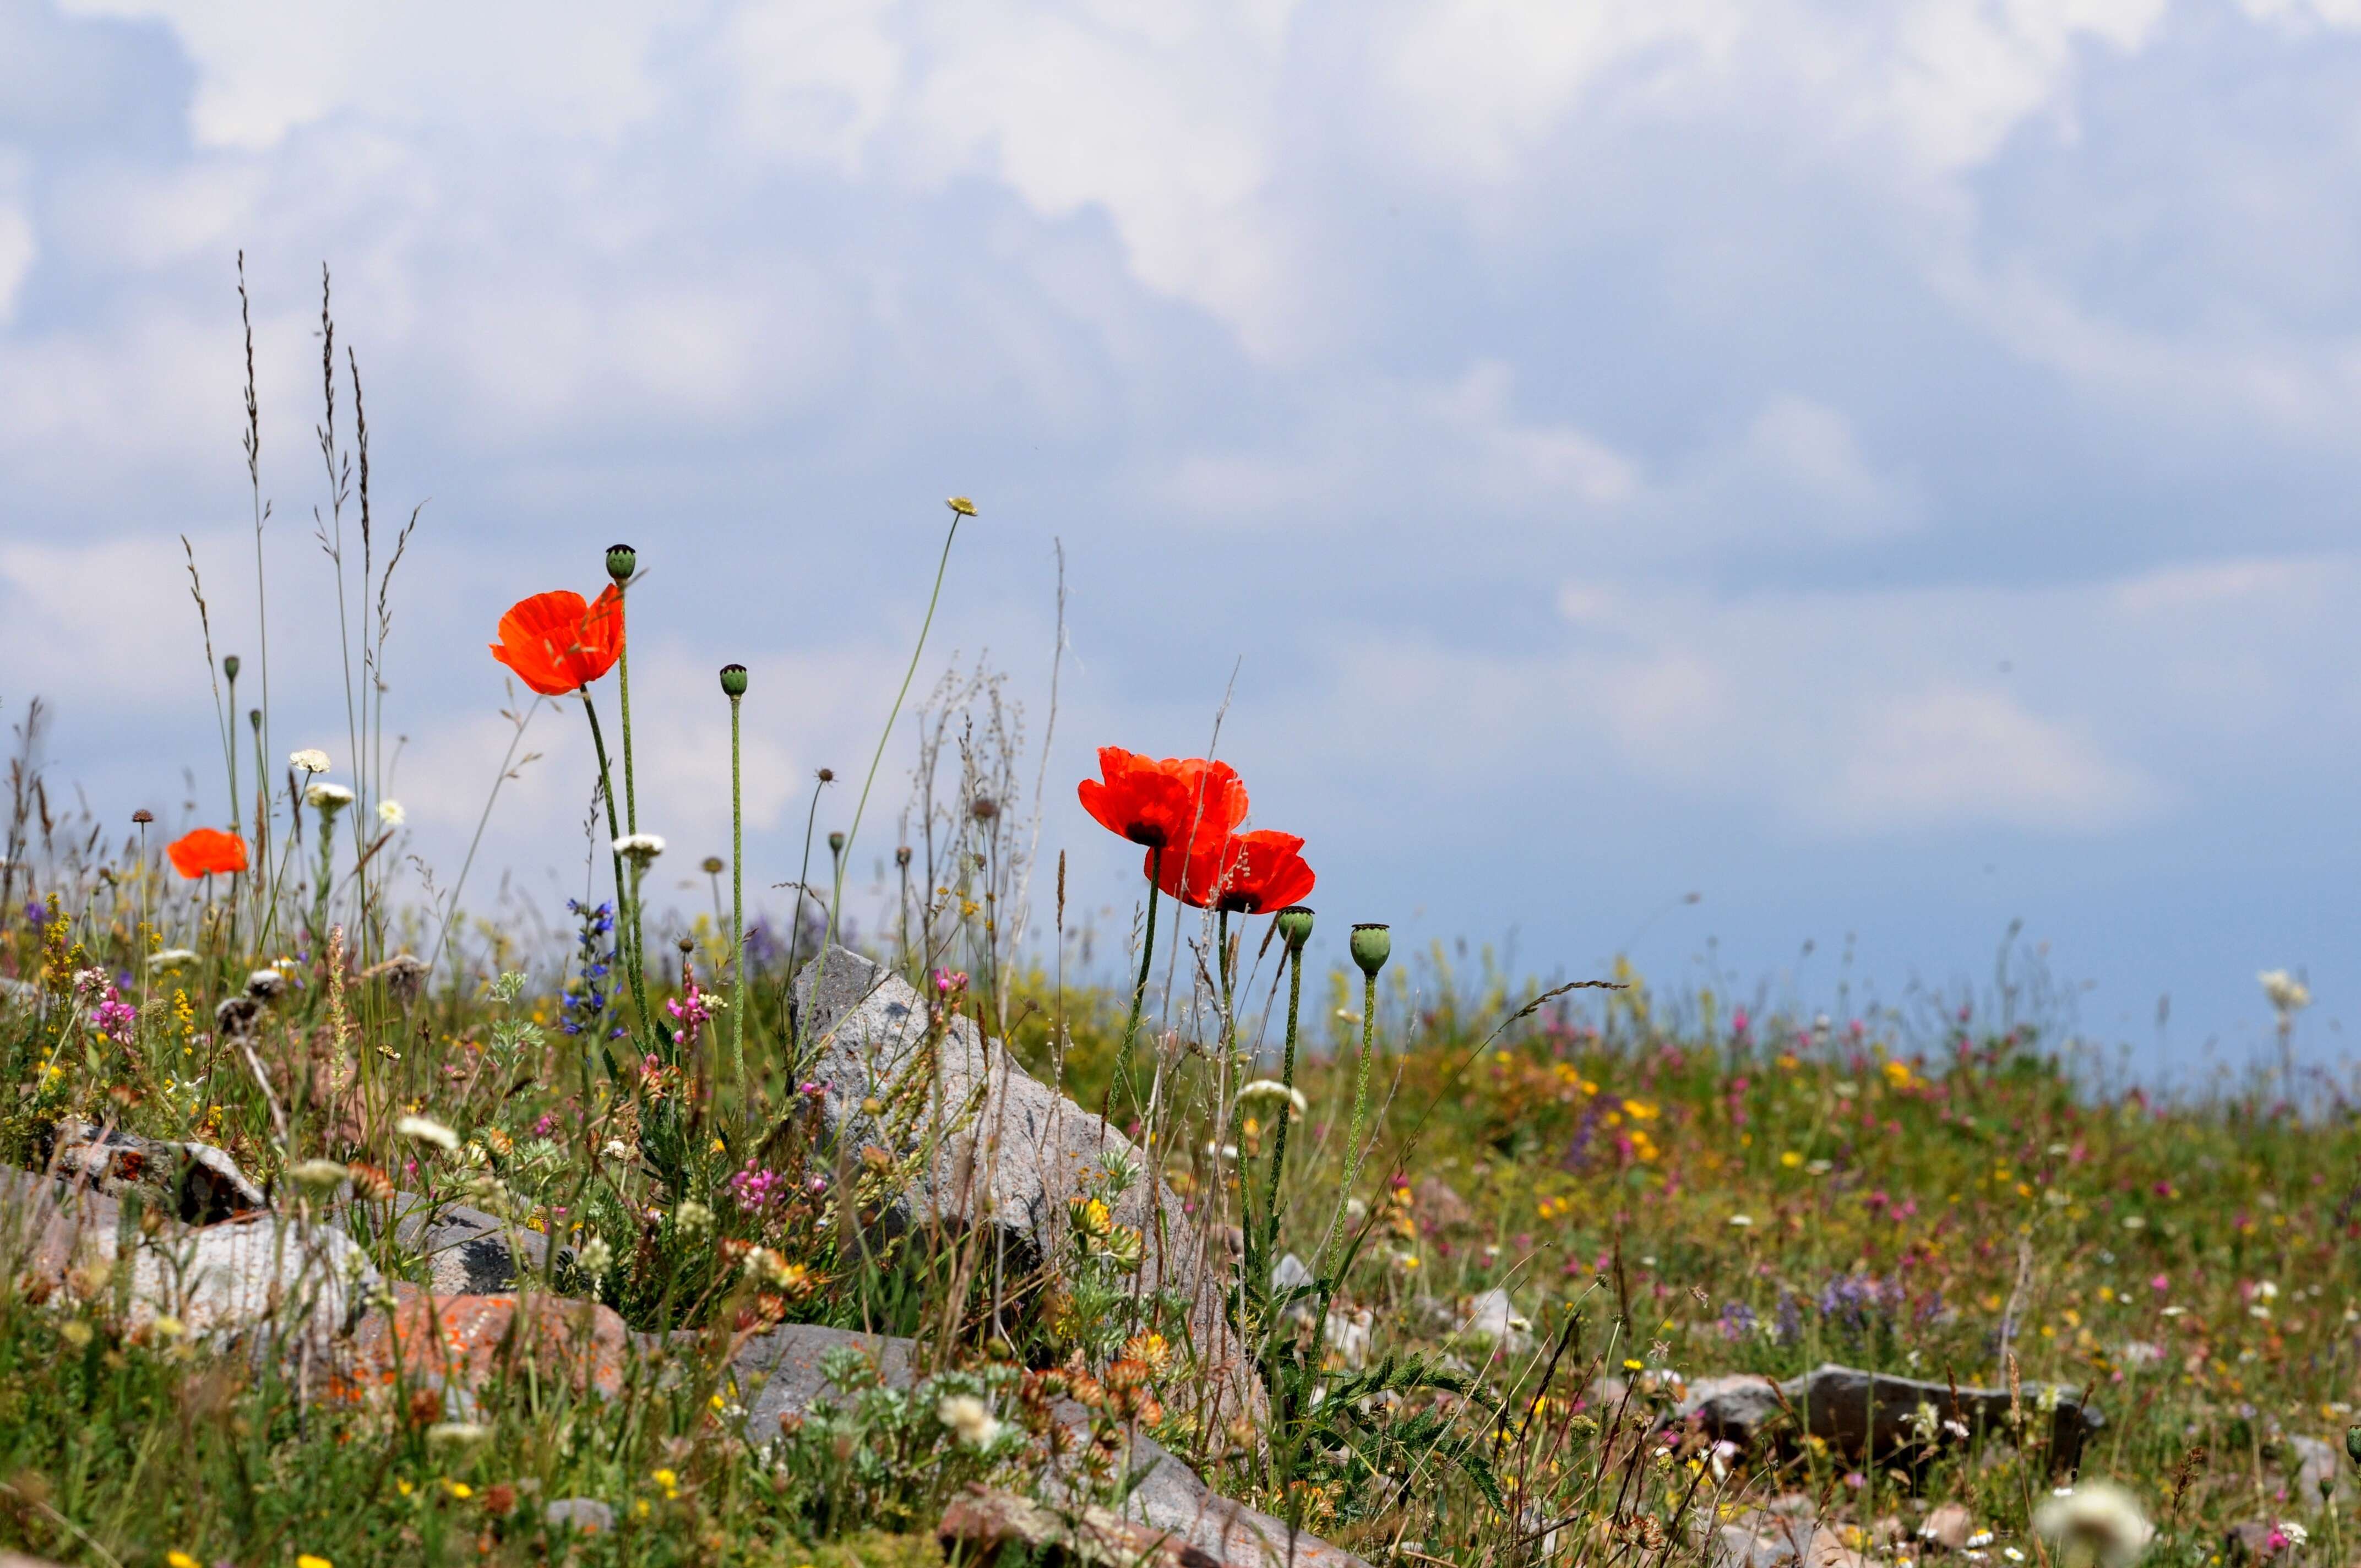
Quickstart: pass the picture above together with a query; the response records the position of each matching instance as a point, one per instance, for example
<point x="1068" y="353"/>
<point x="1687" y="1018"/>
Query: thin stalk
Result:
<point x="631" y="794"/>
<point x="1139" y="988"/>
<point x="1361" y="1082"/>
<point x="737" y="907"/>
<point x="622" y="895"/>
<point x="1287" y="1077"/>
<point x="836" y="900"/>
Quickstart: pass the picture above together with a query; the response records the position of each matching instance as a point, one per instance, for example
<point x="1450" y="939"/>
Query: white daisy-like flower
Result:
<point x="457" y="1432"/>
<point x="427" y="1130"/>
<point x="327" y="799"/>
<point x="171" y="958"/>
<point x="2094" y="1523"/>
<point x="968" y="1418"/>
<point x="639" y="847"/>
<point x="1271" y="1088"/>
<point x="390" y="812"/>
<point x="310" y="759"/>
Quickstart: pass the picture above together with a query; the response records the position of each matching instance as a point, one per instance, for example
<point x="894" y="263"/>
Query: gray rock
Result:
<point x="1858" y="1411"/>
<point x="993" y="1148"/>
<point x="196" y="1183"/>
<point x="1491" y="1315"/>
<point x="778" y="1374"/>
<point x="587" y="1515"/>
<point x="466" y="1252"/>
<point x="261" y="1280"/>
<point x="2320" y="1471"/>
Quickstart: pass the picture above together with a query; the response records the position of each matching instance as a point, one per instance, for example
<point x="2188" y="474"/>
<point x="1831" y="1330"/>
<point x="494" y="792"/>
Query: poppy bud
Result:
<point x="836" y="843"/>
<point x="229" y="665"/>
<point x="621" y="562"/>
<point x="2352" y="1444"/>
<point x="733" y="681"/>
<point x="1294" y="923"/>
<point x="901" y="856"/>
<point x="254" y="719"/>
<point x="1372" y="945"/>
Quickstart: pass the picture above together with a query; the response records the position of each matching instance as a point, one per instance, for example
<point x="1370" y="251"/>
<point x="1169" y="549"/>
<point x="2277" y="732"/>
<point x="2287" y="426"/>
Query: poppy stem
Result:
<point x="737" y="911"/>
<point x="625" y="893"/>
<point x="1140" y="991"/>
<point x="1361" y="1081"/>
<point x="630" y="793"/>
<point x="1287" y="1077"/>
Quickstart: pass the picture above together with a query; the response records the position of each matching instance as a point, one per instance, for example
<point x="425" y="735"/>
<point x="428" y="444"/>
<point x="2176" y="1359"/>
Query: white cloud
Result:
<point x="1949" y="755"/>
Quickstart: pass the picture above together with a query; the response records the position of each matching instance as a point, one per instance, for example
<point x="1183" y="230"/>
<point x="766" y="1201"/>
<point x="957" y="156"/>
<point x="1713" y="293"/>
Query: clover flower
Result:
<point x="326" y="798"/>
<point x="968" y="1418"/>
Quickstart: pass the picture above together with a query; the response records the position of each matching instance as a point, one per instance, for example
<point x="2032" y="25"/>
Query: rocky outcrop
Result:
<point x="997" y="1151"/>
<point x="1871" y="1412"/>
<point x="196" y="1183"/>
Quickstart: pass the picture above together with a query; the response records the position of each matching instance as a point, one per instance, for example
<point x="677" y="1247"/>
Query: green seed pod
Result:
<point x="229" y="665"/>
<point x="733" y="681"/>
<point x="1372" y="945"/>
<point x="621" y="562"/>
<point x="1294" y="927"/>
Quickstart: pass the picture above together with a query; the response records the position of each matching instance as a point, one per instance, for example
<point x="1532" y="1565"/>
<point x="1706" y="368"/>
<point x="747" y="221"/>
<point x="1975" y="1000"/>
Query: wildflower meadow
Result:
<point x="359" y="1218"/>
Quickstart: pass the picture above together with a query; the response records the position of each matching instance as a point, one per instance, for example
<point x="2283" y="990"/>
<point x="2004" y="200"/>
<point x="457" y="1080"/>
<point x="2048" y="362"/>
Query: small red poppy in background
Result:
<point x="1246" y="873"/>
<point x="1182" y="803"/>
<point x="207" y="851"/>
<point x="557" y="644"/>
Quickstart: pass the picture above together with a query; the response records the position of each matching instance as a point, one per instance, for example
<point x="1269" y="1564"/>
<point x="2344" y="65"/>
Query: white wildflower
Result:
<point x="310" y="759"/>
<point x="2094" y="1523"/>
<point x="639" y="847"/>
<point x="321" y="1173"/>
<point x="693" y="1217"/>
<point x="2296" y="1534"/>
<point x="1271" y="1088"/>
<point x="171" y="958"/>
<point x="968" y="1418"/>
<point x="427" y="1130"/>
<point x="2287" y="994"/>
<point x="390" y="812"/>
<point x="327" y="799"/>
<point x="596" y="1257"/>
<point x="1742" y="1221"/>
<point x="456" y="1432"/>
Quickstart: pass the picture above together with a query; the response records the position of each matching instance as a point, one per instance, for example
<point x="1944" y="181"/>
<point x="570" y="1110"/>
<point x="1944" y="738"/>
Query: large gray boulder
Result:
<point x="1861" y="1412"/>
<point x="780" y="1373"/>
<point x="991" y="1148"/>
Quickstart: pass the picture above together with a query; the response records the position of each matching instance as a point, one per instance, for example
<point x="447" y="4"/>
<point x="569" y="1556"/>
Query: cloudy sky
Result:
<point x="1887" y="469"/>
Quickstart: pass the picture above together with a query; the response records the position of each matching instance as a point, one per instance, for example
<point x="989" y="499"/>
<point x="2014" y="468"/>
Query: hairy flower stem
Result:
<point x="737" y="908"/>
<point x="1140" y="991"/>
<point x="1286" y="1075"/>
<point x="631" y="794"/>
<point x="1361" y="1082"/>
<point x="623" y="894"/>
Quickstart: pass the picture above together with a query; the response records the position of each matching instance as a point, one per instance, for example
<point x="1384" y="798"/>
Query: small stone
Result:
<point x="1438" y="1207"/>
<point x="1948" y="1527"/>
<point x="1491" y="1315"/>
<point x="586" y="1514"/>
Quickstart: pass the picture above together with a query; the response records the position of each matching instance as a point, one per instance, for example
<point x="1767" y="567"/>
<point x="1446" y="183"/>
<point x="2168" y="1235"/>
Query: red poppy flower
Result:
<point x="1181" y="803"/>
<point x="1246" y="873"/>
<point x="557" y="644"/>
<point x="206" y="852"/>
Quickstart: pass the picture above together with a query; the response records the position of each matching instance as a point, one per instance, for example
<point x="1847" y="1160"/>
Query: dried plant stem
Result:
<point x="625" y="895"/>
